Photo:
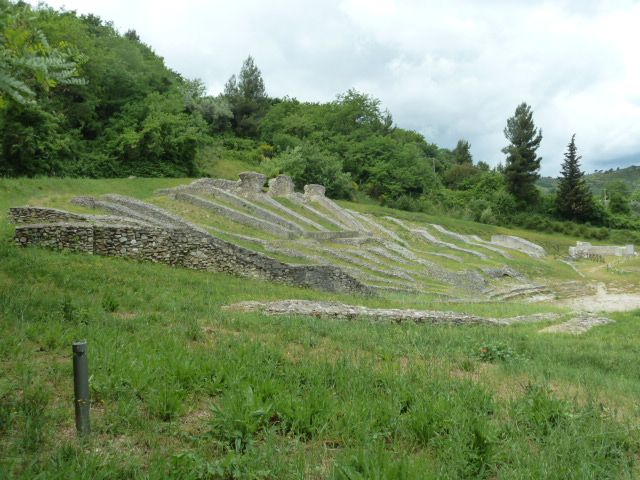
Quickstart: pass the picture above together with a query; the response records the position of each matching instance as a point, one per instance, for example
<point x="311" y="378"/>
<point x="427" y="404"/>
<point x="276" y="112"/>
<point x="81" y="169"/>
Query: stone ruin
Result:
<point x="278" y="234"/>
<point x="586" y="250"/>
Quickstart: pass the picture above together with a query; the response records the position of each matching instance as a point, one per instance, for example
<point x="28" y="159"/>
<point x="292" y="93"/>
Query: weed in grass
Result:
<point x="468" y="365"/>
<point x="193" y="331"/>
<point x="305" y="416"/>
<point x="109" y="303"/>
<point x="166" y="402"/>
<point x="7" y="411"/>
<point x="241" y="416"/>
<point x="68" y="310"/>
<point x="540" y="411"/>
<point x="191" y="466"/>
<point x="496" y="352"/>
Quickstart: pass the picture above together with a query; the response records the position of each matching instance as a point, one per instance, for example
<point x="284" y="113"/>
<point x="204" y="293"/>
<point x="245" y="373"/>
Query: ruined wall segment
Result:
<point x="519" y="244"/>
<point x="181" y="247"/>
<point x="73" y="237"/>
<point x="20" y="215"/>
<point x="585" y="249"/>
<point x="281" y="186"/>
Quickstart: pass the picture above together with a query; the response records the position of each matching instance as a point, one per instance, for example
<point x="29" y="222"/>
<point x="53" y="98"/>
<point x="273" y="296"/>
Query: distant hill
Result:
<point x="600" y="178"/>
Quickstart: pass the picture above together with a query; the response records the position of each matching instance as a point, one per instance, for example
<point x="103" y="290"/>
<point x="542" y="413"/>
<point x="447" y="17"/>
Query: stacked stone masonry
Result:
<point x="182" y="248"/>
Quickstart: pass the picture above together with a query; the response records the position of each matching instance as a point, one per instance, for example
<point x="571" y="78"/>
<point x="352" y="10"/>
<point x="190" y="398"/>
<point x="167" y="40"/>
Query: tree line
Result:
<point x="77" y="98"/>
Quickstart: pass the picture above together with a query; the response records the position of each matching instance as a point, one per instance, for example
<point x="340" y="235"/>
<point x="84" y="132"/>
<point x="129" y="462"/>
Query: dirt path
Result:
<point x="603" y="301"/>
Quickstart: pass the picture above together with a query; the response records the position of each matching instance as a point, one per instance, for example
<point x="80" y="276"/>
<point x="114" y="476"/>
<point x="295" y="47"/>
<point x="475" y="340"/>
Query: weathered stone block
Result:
<point x="281" y="186"/>
<point x="252" y="182"/>
<point x="313" y="191"/>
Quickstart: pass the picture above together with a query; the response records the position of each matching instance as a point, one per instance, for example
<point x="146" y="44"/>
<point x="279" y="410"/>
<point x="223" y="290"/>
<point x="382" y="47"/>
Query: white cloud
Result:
<point x="450" y="71"/>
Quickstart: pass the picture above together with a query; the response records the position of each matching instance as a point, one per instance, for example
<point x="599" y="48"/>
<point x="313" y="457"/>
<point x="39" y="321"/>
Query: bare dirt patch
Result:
<point x="577" y="325"/>
<point x="603" y="300"/>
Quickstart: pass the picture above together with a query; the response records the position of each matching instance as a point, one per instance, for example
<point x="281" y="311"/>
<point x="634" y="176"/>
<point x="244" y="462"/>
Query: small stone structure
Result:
<point x="20" y="215"/>
<point x="520" y="244"/>
<point x="585" y="250"/>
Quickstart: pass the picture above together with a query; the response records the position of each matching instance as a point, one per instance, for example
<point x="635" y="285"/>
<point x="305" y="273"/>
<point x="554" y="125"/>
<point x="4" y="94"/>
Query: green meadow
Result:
<point x="182" y="388"/>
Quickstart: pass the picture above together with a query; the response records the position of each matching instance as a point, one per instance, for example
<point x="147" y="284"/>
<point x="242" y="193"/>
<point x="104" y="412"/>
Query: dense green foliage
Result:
<point x="127" y="116"/>
<point x="353" y="132"/>
<point x="600" y="180"/>
<point x="574" y="199"/>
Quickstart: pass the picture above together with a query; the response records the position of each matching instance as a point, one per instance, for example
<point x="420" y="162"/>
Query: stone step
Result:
<point x="291" y="213"/>
<point x="520" y="291"/>
<point x="435" y="241"/>
<point x="470" y="240"/>
<point x="238" y="217"/>
<point x="252" y="209"/>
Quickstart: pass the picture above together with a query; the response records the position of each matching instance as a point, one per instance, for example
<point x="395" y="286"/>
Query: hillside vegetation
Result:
<point x="182" y="388"/>
<point x="601" y="180"/>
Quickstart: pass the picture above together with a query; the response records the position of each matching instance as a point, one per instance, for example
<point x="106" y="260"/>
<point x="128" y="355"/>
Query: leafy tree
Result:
<point x="484" y="166"/>
<point x="574" y="200"/>
<point x="28" y="64"/>
<point x="33" y="138"/>
<point x="308" y="163"/>
<point x="459" y="175"/>
<point x="462" y="153"/>
<point x="156" y="137"/>
<point x="248" y="98"/>
<point x="522" y="162"/>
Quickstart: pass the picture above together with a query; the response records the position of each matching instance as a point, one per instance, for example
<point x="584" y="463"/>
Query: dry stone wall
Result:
<point x="39" y="214"/>
<point x="182" y="247"/>
<point x="74" y="237"/>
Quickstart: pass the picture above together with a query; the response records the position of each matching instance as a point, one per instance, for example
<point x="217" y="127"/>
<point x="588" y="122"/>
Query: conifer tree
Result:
<point x="248" y="98"/>
<point x="522" y="162"/>
<point x="462" y="153"/>
<point x="574" y="200"/>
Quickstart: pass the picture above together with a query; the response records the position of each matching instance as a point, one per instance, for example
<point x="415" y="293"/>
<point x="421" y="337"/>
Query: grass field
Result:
<point x="184" y="389"/>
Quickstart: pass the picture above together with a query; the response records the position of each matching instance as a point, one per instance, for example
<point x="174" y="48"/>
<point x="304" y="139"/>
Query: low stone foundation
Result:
<point x="586" y="250"/>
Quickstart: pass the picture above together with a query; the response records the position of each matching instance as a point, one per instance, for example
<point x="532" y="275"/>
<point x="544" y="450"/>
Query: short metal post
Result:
<point x="81" y="387"/>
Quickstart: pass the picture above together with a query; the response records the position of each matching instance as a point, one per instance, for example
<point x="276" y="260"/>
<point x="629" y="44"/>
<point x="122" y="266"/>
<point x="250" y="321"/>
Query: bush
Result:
<point x="310" y="164"/>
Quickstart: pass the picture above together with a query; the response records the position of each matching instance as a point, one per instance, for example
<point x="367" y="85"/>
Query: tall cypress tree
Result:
<point x="574" y="199"/>
<point x="248" y="98"/>
<point x="522" y="163"/>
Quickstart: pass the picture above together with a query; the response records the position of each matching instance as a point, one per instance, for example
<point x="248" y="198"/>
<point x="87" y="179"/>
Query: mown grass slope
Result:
<point x="182" y="388"/>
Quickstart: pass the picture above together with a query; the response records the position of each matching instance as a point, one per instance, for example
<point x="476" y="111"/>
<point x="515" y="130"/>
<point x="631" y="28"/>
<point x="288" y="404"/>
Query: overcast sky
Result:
<point x="449" y="70"/>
